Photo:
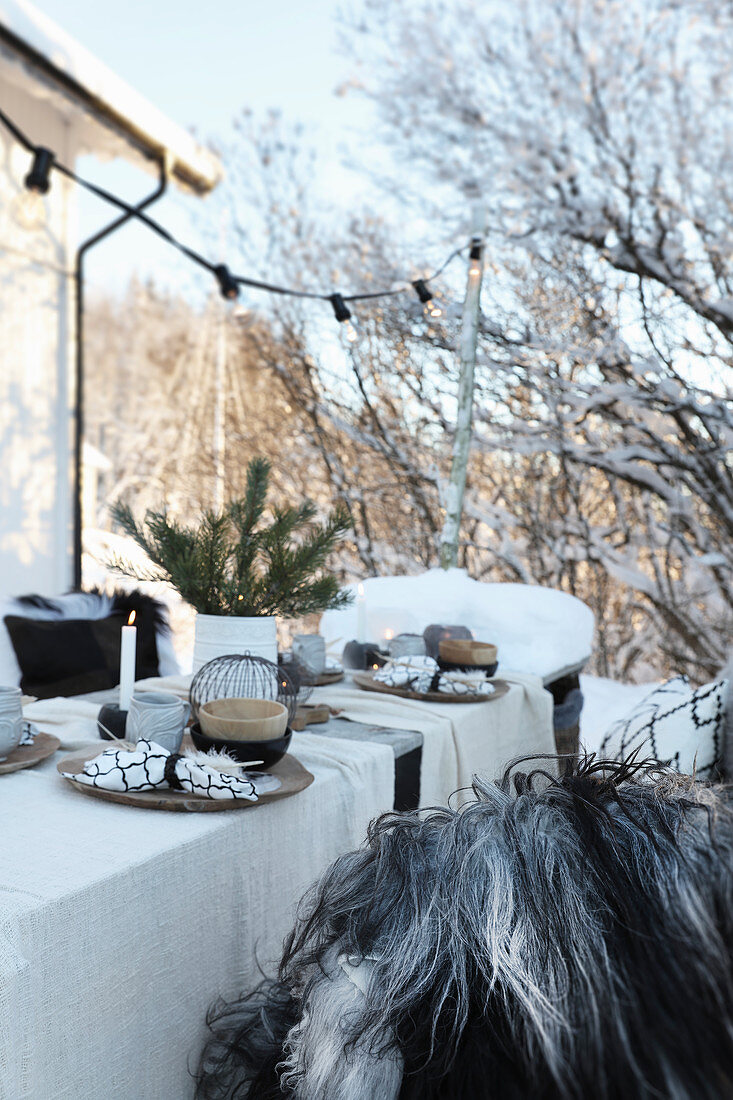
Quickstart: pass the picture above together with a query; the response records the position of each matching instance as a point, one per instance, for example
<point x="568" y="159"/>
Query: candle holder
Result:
<point x="437" y="633"/>
<point x="363" y="655"/>
<point x="111" y="720"/>
<point x="407" y="645"/>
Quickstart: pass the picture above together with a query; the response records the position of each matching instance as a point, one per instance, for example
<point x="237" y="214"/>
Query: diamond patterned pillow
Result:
<point x="675" y="725"/>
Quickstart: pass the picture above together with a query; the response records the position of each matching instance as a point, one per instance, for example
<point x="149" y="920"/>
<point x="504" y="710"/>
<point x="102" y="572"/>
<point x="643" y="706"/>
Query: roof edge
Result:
<point x="199" y="177"/>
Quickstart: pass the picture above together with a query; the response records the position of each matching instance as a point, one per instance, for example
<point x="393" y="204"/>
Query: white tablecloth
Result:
<point x="120" y="926"/>
<point x="460" y="740"/>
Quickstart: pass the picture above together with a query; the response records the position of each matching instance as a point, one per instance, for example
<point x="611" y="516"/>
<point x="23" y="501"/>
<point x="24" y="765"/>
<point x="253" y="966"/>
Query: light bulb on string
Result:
<point x="29" y="210"/>
<point x="348" y="335"/>
<point x="431" y="305"/>
<point x="475" y="257"/>
<point x="342" y="313"/>
<point x="228" y="286"/>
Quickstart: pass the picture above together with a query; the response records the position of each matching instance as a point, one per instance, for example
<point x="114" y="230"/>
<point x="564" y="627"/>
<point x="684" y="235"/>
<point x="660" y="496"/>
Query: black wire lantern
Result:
<point x="242" y="676"/>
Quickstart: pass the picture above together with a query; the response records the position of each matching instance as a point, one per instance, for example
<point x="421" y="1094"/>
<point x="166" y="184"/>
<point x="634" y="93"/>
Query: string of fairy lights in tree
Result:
<point x="38" y="182"/>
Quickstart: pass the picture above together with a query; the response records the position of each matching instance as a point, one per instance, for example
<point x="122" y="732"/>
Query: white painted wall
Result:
<point x="36" y="357"/>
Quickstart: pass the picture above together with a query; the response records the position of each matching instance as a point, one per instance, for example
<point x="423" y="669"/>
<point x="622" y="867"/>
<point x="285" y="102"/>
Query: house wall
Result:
<point x="36" y="356"/>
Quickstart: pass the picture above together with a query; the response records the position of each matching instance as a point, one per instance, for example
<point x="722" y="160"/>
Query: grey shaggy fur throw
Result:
<point x="557" y="939"/>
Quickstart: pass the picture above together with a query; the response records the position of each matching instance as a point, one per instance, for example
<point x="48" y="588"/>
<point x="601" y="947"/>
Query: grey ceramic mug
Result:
<point x="310" y="651"/>
<point x="11" y="720"/>
<point x="157" y="716"/>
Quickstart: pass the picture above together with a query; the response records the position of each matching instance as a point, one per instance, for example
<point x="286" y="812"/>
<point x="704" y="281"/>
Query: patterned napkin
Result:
<point x="149" y="766"/>
<point x="414" y="671"/>
<point x="422" y="674"/>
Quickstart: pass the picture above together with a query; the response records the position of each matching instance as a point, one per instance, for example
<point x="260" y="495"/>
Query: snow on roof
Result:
<point x="63" y="64"/>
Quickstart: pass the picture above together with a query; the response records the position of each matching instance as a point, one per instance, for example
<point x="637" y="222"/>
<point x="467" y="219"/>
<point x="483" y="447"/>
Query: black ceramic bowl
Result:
<point x="268" y="751"/>
<point x="449" y="666"/>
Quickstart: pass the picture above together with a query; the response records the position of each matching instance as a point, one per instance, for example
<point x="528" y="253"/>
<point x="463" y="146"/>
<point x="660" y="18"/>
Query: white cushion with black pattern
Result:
<point x="675" y="725"/>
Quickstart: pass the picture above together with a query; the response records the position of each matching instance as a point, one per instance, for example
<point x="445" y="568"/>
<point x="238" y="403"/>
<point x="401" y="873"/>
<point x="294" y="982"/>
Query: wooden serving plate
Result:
<point x="366" y="681"/>
<point x="27" y="756"/>
<point x="291" y="773"/>
<point x="309" y="714"/>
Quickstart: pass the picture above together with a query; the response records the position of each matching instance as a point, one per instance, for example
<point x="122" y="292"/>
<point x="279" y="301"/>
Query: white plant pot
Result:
<point x="219" y="635"/>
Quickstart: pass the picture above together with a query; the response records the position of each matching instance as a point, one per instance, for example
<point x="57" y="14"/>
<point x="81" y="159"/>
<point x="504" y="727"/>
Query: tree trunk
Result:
<point x="462" y="438"/>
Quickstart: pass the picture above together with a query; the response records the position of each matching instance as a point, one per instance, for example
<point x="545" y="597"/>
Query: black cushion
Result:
<point x="75" y="656"/>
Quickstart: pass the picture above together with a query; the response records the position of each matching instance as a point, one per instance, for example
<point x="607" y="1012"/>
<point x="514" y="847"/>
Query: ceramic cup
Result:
<point x="407" y="645"/>
<point x="157" y="716"/>
<point x="11" y="720"/>
<point x="309" y="650"/>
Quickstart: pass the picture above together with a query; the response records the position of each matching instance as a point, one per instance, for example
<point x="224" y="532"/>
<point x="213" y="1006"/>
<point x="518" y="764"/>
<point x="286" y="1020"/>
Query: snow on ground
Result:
<point x="604" y="702"/>
<point x="537" y="630"/>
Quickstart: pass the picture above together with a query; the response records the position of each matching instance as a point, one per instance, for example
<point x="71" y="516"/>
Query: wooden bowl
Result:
<point x="243" y="719"/>
<point x="466" y="652"/>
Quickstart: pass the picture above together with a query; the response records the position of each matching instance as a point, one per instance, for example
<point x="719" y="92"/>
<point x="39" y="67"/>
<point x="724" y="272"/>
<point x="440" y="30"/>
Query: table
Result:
<point x="449" y="742"/>
<point x="459" y="740"/>
<point x="120" y="926"/>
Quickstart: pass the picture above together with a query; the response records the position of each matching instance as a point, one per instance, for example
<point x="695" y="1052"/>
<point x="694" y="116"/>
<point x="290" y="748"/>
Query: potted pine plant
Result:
<point x="240" y="568"/>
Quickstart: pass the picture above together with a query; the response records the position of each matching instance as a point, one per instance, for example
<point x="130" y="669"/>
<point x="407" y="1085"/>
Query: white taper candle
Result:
<point x="361" y="620"/>
<point x="128" y="647"/>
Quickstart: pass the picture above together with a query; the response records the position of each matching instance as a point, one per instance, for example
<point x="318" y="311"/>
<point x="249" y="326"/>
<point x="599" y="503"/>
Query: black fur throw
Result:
<point x="71" y="645"/>
<point x="556" y="939"/>
<point x="114" y="603"/>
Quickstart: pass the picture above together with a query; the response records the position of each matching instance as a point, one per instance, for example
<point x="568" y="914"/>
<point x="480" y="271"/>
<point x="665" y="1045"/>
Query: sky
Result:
<point x="201" y="64"/>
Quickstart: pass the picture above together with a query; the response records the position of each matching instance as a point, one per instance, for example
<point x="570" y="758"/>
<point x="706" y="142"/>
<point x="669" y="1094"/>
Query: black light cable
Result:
<point x="38" y="180"/>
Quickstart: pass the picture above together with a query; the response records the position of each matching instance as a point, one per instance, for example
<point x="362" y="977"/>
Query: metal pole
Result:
<point x="467" y="355"/>
<point x="79" y="377"/>
<point x="219" y="392"/>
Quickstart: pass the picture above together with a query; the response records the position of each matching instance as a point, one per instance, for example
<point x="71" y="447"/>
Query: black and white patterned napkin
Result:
<point x="149" y="766"/>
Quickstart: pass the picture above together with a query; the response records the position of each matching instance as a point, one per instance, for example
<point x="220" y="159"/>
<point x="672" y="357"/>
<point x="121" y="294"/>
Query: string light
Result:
<point x="341" y="311"/>
<point x="475" y="256"/>
<point x="37" y="179"/>
<point x="28" y="208"/>
<point x="228" y="285"/>
<point x="427" y="297"/>
<point x="32" y="214"/>
<point x="422" y="290"/>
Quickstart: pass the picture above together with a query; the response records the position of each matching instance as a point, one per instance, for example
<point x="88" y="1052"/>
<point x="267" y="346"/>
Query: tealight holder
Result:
<point x="111" y="720"/>
<point x="363" y="655"/>
<point x="407" y="645"/>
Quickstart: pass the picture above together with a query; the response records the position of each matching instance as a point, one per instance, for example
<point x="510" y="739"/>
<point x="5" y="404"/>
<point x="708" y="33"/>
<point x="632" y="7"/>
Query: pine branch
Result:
<point x="229" y="565"/>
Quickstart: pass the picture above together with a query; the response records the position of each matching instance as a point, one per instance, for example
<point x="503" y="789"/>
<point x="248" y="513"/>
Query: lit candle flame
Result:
<point x="131" y="618"/>
<point x="375" y="667"/>
<point x="388" y="634"/>
<point x="360" y="589"/>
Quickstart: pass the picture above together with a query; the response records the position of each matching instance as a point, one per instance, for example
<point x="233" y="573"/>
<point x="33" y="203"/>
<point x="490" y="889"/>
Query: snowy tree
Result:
<point x="599" y="133"/>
